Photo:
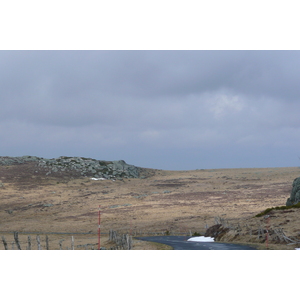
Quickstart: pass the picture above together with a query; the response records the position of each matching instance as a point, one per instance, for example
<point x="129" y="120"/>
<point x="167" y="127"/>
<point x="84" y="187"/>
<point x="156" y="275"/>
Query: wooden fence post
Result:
<point x="29" y="242"/>
<point x="4" y="243"/>
<point x="16" y="238"/>
<point x="47" y="242"/>
<point x="72" y="242"/>
<point x="38" y="242"/>
<point x="60" y="244"/>
<point x="129" y="241"/>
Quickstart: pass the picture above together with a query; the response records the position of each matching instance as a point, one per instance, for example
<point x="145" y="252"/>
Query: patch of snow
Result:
<point x="201" y="239"/>
<point x="98" y="178"/>
<point x="297" y="248"/>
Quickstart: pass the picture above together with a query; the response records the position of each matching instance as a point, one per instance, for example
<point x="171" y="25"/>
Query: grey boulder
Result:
<point x="295" y="193"/>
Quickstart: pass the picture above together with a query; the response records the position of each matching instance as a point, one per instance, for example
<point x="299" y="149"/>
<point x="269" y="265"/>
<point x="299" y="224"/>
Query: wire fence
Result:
<point x="47" y="241"/>
<point x="37" y="240"/>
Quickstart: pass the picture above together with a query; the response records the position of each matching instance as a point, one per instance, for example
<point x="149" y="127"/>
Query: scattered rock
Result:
<point x="141" y="196"/>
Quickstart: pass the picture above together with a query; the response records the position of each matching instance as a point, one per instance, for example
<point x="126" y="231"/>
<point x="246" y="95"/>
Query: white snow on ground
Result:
<point x="297" y="248"/>
<point x="98" y="178"/>
<point x="201" y="239"/>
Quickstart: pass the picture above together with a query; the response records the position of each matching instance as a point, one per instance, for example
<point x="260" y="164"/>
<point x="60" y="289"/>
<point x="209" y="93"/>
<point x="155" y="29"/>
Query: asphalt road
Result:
<point x="181" y="243"/>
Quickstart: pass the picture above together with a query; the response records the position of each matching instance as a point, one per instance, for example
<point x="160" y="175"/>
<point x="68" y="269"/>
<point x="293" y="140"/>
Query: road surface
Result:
<point x="181" y="243"/>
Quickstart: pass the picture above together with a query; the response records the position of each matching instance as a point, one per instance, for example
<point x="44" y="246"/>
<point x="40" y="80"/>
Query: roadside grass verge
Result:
<point x="145" y="245"/>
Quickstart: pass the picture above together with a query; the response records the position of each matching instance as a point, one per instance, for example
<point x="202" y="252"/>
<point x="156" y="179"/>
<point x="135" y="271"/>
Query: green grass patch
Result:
<point x="265" y="212"/>
<point x="196" y="234"/>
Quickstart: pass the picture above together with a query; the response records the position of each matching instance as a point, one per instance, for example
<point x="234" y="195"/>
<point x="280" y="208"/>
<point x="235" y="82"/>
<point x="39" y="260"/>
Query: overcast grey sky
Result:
<point x="176" y="110"/>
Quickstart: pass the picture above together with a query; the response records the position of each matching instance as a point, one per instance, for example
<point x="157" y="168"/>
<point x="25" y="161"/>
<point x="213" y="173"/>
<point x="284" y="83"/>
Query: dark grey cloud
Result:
<point x="152" y="73"/>
<point x="161" y="108"/>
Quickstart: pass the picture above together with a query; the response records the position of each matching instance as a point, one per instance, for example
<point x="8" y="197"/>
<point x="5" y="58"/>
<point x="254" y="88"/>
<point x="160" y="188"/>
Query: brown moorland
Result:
<point x="174" y="201"/>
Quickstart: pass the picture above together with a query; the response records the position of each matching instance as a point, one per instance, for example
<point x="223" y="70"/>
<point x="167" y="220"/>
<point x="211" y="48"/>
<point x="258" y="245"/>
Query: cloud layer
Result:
<point x="157" y="109"/>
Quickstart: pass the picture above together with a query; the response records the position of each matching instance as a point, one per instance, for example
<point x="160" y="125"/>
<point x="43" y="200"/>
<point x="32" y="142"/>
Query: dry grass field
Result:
<point x="177" y="201"/>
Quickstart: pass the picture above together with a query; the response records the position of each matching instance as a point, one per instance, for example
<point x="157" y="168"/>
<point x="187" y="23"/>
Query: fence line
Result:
<point x="16" y="242"/>
<point x="262" y="230"/>
<point x="123" y="241"/>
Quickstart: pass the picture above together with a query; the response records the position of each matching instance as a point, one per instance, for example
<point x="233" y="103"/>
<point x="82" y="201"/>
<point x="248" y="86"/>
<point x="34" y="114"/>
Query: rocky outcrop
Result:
<point x="295" y="193"/>
<point x="77" y="165"/>
<point x="8" y="160"/>
<point x="216" y="231"/>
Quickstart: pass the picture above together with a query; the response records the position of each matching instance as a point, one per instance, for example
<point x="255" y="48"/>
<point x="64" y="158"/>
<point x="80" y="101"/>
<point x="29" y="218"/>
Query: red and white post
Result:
<point x="99" y="229"/>
<point x="267" y="235"/>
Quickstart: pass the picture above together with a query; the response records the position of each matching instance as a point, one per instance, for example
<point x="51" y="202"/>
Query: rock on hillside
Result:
<point x="77" y="165"/>
<point x="295" y="193"/>
<point x="8" y="160"/>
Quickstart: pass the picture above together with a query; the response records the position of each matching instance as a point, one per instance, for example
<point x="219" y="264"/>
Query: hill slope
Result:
<point x="153" y="201"/>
